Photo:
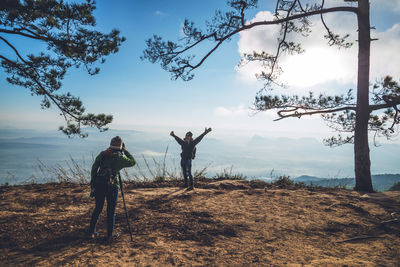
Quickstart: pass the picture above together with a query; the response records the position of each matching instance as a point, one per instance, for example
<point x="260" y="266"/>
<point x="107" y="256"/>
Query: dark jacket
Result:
<point x="188" y="146"/>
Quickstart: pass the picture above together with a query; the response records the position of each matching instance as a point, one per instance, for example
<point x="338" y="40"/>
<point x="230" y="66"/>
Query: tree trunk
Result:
<point x="362" y="163"/>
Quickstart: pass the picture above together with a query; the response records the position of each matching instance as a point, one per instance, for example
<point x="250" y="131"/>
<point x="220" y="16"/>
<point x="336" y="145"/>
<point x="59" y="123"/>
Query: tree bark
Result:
<point x="362" y="163"/>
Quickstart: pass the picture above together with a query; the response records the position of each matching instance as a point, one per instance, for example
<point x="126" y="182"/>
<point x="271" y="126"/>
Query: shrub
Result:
<point x="283" y="182"/>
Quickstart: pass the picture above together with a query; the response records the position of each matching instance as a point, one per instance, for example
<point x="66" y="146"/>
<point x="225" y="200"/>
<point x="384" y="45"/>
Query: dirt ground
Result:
<point x="221" y="223"/>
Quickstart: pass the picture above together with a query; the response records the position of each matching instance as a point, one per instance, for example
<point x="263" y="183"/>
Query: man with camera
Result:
<point x="105" y="182"/>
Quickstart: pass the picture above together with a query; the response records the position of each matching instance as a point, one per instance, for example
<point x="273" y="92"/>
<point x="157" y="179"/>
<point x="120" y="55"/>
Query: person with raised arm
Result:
<point x="188" y="146"/>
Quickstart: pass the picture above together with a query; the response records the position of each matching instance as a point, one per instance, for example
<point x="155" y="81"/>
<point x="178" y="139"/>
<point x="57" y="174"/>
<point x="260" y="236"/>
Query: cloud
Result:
<point x="231" y="111"/>
<point x="385" y="57"/>
<point x="320" y="63"/>
<point x="159" y="13"/>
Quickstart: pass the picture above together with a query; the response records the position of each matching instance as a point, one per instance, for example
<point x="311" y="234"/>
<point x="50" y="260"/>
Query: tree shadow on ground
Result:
<point x="378" y="225"/>
<point x="45" y="247"/>
<point x="175" y="217"/>
<point x="389" y="223"/>
<point x="179" y="223"/>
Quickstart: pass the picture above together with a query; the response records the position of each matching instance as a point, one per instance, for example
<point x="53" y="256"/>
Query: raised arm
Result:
<point x="198" y="139"/>
<point x="127" y="160"/>
<point x="180" y="141"/>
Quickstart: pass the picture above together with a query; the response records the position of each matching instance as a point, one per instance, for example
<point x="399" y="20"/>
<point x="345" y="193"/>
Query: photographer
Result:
<point x="105" y="182"/>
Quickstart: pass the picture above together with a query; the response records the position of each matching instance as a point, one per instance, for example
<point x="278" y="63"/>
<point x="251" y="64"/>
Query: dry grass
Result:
<point x="146" y="170"/>
<point x="221" y="223"/>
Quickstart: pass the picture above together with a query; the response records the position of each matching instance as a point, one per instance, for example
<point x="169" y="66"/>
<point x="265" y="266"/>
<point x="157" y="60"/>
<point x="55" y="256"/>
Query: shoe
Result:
<point x="190" y="188"/>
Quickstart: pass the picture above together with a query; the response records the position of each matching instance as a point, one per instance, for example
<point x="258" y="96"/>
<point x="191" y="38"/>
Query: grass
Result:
<point x="228" y="174"/>
<point x="146" y="170"/>
<point x="72" y="172"/>
<point x="155" y="172"/>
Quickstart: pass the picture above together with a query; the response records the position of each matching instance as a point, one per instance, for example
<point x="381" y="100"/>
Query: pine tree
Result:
<point x="67" y="30"/>
<point x="346" y="113"/>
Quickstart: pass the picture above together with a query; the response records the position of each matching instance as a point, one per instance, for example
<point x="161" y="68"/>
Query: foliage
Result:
<point x="66" y="30"/>
<point x="175" y="57"/>
<point x="339" y="112"/>
<point x="283" y="182"/>
<point x="385" y="95"/>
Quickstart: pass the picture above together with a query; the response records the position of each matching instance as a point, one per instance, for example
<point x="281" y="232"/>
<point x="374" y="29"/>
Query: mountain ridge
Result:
<point x="380" y="182"/>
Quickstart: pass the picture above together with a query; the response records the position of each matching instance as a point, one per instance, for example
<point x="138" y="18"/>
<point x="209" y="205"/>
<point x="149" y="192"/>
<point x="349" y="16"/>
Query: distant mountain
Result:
<point x="383" y="182"/>
<point x="380" y="182"/>
<point x="15" y="145"/>
<point x="36" y="140"/>
<point x="11" y="133"/>
<point x="254" y="157"/>
<point x="307" y="178"/>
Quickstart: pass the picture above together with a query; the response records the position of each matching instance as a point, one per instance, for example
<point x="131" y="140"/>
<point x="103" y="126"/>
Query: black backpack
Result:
<point x="104" y="176"/>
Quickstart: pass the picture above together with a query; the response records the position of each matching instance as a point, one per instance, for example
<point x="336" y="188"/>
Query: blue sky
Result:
<point x="142" y="96"/>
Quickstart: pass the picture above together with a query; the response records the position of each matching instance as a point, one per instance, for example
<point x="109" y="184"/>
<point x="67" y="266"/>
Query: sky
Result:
<point x="141" y="95"/>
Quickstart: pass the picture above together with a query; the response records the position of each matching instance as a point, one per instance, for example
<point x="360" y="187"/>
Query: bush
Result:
<point x="283" y="181"/>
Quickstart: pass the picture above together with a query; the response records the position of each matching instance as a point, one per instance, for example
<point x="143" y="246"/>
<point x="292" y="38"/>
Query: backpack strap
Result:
<point x="194" y="153"/>
<point x="101" y="162"/>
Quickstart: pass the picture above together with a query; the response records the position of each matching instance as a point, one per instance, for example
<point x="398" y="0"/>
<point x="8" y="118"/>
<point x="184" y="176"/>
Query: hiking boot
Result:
<point x="190" y="188"/>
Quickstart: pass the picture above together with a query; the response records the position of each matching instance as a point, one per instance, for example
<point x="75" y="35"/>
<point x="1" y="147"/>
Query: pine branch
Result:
<point x="168" y="53"/>
<point x="294" y="112"/>
<point x="19" y="32"/>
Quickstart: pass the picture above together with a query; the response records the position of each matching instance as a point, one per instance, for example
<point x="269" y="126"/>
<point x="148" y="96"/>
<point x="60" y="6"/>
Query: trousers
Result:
<point x="109" y="192"/>
<point x="186" y="165"/>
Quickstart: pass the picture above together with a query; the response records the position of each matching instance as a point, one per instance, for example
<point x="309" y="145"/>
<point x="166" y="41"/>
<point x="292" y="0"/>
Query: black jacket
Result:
<point x="188" y="147"/>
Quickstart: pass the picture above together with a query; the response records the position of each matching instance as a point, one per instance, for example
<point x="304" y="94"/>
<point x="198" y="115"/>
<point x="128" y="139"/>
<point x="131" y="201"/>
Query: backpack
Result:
<point x="104" y="176"/>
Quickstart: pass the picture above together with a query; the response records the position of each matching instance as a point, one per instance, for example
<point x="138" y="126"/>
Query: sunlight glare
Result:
<point x="317" y="65"/>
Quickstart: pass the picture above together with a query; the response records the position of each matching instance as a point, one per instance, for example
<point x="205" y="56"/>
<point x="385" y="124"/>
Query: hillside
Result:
<point x="221" y="223"/>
